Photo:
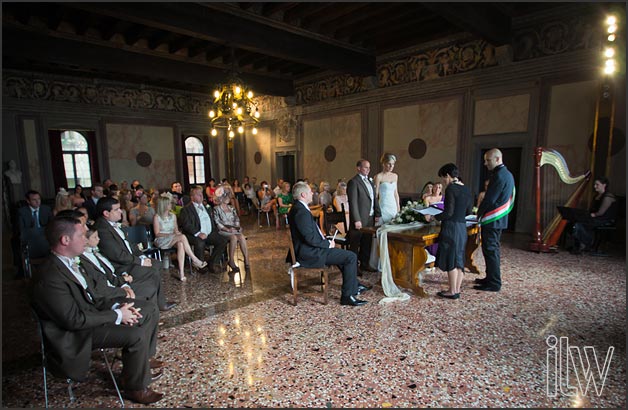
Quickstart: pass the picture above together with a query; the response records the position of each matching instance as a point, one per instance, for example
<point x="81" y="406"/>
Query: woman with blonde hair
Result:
<point x="228" y="223"/>
<point x="386" y="191"/>
<point x="62" y="201"/>
<point x="167" y="235"/>
<point x="436" y="196"/>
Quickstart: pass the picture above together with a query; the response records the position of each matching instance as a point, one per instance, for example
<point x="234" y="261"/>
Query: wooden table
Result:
<point x="408" y="256"/>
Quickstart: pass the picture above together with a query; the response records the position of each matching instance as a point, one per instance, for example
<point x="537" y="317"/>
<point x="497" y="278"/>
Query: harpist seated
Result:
<point x="603" y="213"/>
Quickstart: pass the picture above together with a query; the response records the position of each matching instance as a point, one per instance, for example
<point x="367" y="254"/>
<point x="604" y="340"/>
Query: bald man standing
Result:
<point x="493" y="217"/>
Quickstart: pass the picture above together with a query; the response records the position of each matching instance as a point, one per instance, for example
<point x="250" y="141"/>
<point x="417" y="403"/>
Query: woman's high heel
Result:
<point x="234" y="268"/>
<point x="201" y="265"/>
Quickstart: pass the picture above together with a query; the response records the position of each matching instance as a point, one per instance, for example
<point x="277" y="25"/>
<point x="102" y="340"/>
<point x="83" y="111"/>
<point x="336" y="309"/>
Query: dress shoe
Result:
<point x="489" y="288"/>
<point x="363" y="288"/>
<point x="144" y="396"/>
<point x="156" y="376"/>
<point x="167" y="306"/>
<point x="352" y="301"/>
<point x="368" y="268"/>
<point x="482" y="281"/>
<point x="444" y="295"/>
<point x="155" y="364"/>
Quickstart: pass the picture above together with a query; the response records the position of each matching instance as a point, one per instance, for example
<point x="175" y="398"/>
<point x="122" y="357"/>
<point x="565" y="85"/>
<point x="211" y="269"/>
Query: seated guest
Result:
<point x="105" y="274"/>
<point x="436" y="196"/>
<point x="284" y="202"/>
<point x="62" y="201"/>
<point x="312" y="250"/>
<point x="32" y="219"/>
<point x="125" y="197"/>
<point x="603" y="212"/>
<point x="324" y="197"/>
<point x="239" y="194"/>
<point x="167" y="235"/>
<point x="115" y="246"/>
<point x="76" y="318"/>
<point x="210" y="189"/>
<point x="481" y="194"/>
<point x="142" y="213"/>
<point x="153" y="198"/>
<point x="251" y="198"/>
<point x="228" y="189"/>
<point x="78" y="197"/>
<point x="90" y="204"/>
<point x="341" y="199"/>
<point x="228" y="223"/>
<point x="427" y="190"/>
<point x="176" y="189"/>
<point x="102" y="272"/>
<point x="200" y="229"/>
<point x="314" y="188"/>
<point x="137" y="193"/>
<point x="266" y="198"/>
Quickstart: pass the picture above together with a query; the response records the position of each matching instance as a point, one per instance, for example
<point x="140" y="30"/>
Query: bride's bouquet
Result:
<point x="409" y="213"/>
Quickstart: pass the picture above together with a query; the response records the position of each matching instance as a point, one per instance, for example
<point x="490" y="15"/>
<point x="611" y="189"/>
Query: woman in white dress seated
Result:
<point x="167" y="235"/>
<point x="386" y="188"/>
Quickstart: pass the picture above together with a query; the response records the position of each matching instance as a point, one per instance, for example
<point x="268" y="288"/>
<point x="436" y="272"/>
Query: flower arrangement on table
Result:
<point x="409" y="214"/>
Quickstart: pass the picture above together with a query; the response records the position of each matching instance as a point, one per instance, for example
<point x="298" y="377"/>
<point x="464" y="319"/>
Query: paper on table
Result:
<point x="429" y="211"/>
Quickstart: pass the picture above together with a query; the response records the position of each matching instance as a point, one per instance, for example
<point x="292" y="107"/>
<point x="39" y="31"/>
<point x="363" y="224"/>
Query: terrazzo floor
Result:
<point x="239" y="342"/>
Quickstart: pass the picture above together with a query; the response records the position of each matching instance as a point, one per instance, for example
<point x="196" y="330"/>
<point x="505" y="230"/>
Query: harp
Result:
<point x="546" y="240"/>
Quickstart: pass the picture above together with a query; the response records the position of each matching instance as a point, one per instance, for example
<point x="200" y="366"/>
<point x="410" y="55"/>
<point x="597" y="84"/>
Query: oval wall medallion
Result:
<point x="330" y="153"/>
<point x="257" y="157"/>
<point x="143" y="159"/>
<point x="417" y="148"/>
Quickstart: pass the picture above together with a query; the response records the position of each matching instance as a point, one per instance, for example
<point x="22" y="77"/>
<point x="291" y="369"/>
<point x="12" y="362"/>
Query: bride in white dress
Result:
<point x="386" y="188"/>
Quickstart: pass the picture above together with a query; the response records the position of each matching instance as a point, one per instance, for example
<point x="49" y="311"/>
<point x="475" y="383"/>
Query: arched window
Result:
<point x="76" y="162"/>
<point x="195" y="157"/>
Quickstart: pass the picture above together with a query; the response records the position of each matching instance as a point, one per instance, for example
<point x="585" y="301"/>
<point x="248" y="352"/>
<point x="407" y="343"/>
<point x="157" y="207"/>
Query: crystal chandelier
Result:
<point x="233" y="108"/>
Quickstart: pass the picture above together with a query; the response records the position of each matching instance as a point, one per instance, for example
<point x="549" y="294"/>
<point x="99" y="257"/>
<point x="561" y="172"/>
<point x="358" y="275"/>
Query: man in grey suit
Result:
<point x="363" y="211"/>
<point x="77" y="319"/>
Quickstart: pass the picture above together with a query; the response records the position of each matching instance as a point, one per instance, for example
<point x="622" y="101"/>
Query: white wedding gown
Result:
<point x="387" y="202"/>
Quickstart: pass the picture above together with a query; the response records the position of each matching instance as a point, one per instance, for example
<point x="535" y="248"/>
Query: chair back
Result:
<point x="137" y="234"/>
<point x="333" y="218"/>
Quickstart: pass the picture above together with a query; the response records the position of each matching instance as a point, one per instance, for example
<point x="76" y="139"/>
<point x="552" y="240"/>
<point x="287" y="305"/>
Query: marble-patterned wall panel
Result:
<point x="344" y="134"/>
<point x="570" y="123"/>
<point x="125" y="141"/>
<point x="258" y="147"/>
<point x="32" y="155"/>
<point x="501" y="115"/>
<point x="437" y="124"/>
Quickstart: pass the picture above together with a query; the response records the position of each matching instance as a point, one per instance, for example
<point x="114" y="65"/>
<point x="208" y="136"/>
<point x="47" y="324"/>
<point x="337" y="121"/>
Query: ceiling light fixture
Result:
<point x="233" y="108"/>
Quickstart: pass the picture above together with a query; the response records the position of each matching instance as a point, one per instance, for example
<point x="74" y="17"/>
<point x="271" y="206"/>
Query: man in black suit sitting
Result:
<point x="313" y="250"/>
<point x="76" y="318"/>
<point x="32" y="219"/>
<point x="200" y="228"/>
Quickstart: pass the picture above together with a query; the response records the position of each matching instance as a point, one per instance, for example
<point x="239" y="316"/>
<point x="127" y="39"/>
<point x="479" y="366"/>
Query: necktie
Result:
<point x="36" y="219"/>
<point x="79" y="275"/>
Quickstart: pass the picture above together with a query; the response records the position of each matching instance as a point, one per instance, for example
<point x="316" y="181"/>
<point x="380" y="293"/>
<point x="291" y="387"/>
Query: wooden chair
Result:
<point x="330" y="219"/>
<point x="296" y="271"/>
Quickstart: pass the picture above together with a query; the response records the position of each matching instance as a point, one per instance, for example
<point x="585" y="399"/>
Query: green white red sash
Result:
<point x="499" y="212"/>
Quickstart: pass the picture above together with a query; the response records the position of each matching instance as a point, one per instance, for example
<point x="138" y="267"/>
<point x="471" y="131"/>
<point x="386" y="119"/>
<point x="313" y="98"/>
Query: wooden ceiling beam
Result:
<point x="20" y="44"/>
<point x="481" y="19"/>
<point x="200" y="21"/>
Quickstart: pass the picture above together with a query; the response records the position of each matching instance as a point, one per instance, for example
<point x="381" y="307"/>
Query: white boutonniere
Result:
<point x="77" y="261"/>
<point x="371" y="179"/>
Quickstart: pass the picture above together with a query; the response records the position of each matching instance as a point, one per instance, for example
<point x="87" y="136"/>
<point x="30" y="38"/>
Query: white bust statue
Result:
<point x="14" y="174"/>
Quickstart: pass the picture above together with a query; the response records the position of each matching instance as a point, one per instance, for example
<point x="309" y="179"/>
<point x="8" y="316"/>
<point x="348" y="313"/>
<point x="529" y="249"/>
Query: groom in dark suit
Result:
<point x="77" y="319"/>
<point x="313" y="250"/>
<point x="363" y="211"/>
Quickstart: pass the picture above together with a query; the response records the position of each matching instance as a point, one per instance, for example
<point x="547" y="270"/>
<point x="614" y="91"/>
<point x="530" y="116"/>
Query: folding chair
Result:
<point x="44" y="363"/>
